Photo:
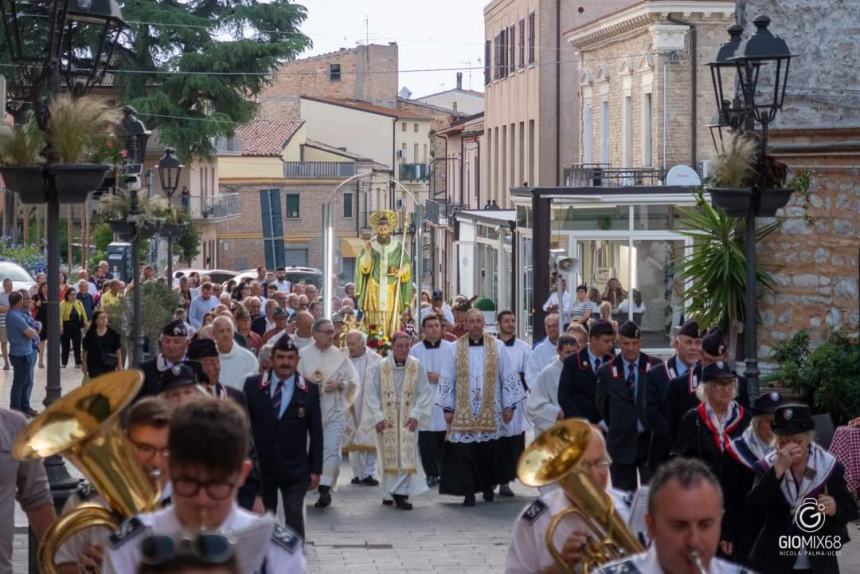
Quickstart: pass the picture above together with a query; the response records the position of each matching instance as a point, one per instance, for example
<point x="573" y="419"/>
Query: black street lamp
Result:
<point x="73" y="39"/>
<point x="760" y="65"/>
<point x="169" y="170"/>
<point x="136" y="135"/>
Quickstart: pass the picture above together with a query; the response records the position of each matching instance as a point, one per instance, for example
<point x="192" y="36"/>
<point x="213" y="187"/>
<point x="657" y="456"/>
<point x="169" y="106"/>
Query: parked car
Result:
<point x="216" y="275"/>
<point x="21" y="279"/>
<point x="294" y="275"/>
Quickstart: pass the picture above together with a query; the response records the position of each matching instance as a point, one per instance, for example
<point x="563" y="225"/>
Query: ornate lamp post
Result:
<point x="760" y="65"/>
<point x="169" y="170"/>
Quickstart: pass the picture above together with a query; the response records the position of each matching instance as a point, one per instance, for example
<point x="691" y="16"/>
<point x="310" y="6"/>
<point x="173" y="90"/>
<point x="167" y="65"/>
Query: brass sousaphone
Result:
<point x="84" y="427"/>
<point x="554" y="457"/>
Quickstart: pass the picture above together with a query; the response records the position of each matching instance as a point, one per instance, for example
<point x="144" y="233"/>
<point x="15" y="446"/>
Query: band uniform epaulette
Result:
<point x="624" y="567"/>
<point x="86" y="491"/>
<point x="534" y="510"/>
<point x="126" y="531"/>
<point x="286" y="538"/>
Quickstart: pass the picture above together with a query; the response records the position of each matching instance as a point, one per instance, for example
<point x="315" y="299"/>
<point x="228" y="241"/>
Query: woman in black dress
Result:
<point x="102" y="347"/>
<point x="803" y="499"/>
<point x="40" y="312"/>
<point x="706" y="433"/>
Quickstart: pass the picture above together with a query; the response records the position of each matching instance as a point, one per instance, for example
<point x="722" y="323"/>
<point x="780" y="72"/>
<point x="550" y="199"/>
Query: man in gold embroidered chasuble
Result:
<point x="478" y="392"/>
<point x="398" y="396"/>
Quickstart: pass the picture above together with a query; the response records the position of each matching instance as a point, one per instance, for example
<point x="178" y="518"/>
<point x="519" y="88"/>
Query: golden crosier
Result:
<point x="554" y="457"/>
<point x="84" y="427"/>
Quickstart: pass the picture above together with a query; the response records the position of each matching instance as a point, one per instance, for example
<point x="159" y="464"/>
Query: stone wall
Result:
<point x="367" y="73"/>
<point x="815" y="266"/>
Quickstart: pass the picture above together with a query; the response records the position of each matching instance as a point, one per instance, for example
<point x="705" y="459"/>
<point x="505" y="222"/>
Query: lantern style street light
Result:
<point x="169" y="170"/>
<point x="749" y="78"/>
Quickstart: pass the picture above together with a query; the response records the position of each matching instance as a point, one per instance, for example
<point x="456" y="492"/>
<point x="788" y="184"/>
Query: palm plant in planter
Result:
<point x="20" y="156"/>
<point x="75" y="129"/>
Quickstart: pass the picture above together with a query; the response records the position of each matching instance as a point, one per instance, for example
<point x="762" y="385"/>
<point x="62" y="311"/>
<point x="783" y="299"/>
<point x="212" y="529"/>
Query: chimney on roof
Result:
<point x="459" y="80"/>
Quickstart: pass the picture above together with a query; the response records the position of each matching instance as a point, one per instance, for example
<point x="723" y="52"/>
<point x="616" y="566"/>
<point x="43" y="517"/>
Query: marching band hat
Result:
<point x="766" y="404"/>
<point x="279" y="313"/>
<point x="197" y="367"/>
<point x="718" y="372"/>
<point x="202" y="348"/>
<point x="175" y="328"/>
<point x="691" y="329"/>
<point x="285" y="343"/>
<point x="792" y="418"/>
<point x="630" y="330"/>
<point x="713" y="343"/>
<point x="178" y="375"/>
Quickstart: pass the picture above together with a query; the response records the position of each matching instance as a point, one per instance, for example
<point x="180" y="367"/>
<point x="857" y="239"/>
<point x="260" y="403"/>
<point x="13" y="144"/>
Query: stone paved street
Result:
<point x="357" y="534"/>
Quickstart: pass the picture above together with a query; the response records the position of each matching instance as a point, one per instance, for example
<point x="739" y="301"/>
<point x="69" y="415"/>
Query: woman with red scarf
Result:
<point x="706" y="433"/>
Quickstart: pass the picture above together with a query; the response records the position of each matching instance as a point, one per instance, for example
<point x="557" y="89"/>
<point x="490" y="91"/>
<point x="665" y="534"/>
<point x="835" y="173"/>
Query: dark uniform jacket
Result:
<point x="577" y="387"/>
<point x="656" y="385"/>
<point x="615" y="401"/>
<point x="698" y="439"/>
<point x="779" y="519"/>
<point x="258" y="325"/>
<point x="283" y="449"/>
<point x="151" y="379"/>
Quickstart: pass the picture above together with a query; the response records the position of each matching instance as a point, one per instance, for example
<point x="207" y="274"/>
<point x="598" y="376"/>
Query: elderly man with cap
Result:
<point x="688" y="346"/>
<point x="439" y="307"/>
<point x="253" y="342"/>
<point x="706" y="433"/>
<point x="621" y="402"/>
<point x="286" y="421"/>
<point x="279" y="316"/>
<point x="173" y="343"/>
<point x="203" y="357"/>
<point x="179" y="385"/>
<point x="802" y="495"/>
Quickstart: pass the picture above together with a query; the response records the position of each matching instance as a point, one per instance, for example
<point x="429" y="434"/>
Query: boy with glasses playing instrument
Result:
<point x="208" y="463"/>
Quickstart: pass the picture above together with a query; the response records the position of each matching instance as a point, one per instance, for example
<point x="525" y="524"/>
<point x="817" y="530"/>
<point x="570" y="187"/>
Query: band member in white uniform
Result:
<point x="208" y="462"/>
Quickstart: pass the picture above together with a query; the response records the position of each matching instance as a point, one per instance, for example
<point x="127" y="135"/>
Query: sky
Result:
<point x="430" y="34"/>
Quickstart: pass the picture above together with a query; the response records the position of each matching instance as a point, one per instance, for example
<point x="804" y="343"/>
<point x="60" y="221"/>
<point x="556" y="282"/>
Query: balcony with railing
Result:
<point x="412" y="172"/>
<point x="319" y="169"/>
<point x="440" y="212"/>
<point x="604" y="175"/>
<point x="211" y="209"/>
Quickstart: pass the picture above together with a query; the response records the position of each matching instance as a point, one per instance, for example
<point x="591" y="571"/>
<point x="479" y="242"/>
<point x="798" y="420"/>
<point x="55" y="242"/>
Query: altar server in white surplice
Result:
<point x="478" y="393"/>
<point x="513" y="438"/>
<point x="360" y="440"/>
<point x="434" y="354"/>
<point x="542" y="405"/>
<point x="399" y="396"/>
<point x="331" y="369"/>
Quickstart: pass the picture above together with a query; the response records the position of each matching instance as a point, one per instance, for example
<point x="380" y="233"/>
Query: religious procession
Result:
<point x="378" y="287"/>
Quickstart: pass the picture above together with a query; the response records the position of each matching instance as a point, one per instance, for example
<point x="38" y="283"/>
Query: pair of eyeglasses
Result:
<point x="215" y="489"/>
<point x="148" y="450"/>
<point x="209" y="548"/>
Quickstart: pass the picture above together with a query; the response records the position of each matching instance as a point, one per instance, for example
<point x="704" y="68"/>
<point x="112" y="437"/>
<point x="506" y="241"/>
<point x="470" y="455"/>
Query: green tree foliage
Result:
<point x="187" y="247"/>
<point x="243" y="41"/>
<point x="827" y="377"/>
<point x="716" y="268"/>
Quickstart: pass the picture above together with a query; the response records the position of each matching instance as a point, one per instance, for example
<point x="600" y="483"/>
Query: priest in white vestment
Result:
<point x="513" y="438"/>
<point x="542" y="405"/>
<point x="331" y="369"/>
<point x="435" y="354"/>
<point x="399" y="396"/>
<point x="478" y="394"/>
<point x="360" y="435"/>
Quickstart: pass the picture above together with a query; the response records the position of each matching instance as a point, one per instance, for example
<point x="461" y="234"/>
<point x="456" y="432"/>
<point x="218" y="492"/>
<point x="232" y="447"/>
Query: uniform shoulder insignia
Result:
<point x="534" y="510"/>
<point x="86" y="491"/>
<point x="624" y="567"/>
<point x="286" y="538"/>
<point x="126" y="531"/>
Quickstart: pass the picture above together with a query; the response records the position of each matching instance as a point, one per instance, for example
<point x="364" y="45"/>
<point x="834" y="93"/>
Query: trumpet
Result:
<point x="554" y="457"/>
<point x="696" y="560"/>
<point x="84" y="427"/>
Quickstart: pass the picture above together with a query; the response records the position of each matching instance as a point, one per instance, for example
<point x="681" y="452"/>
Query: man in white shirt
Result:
<point x="438" y="305"/>
<point x="542" y="405"/>
<point x="208" y="463"/>
<point x="559" y="301"/>
<point x="281" y="283"/>
<point x="435" y="355"/>
<point x="544" y="352"/>
<point x="237" y="363"/>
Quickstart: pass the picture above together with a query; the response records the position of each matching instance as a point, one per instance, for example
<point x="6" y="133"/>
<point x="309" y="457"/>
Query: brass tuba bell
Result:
<point x="84" y="427"/>
<point x="554" y="457"/>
